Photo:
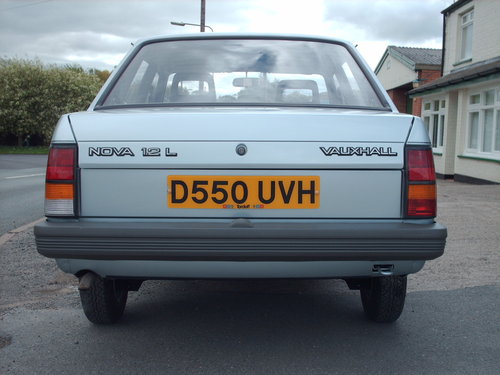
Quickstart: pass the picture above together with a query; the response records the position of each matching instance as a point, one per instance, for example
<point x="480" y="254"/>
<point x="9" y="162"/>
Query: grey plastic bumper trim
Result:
<point x="150" y="269"/>
<point x="250" y="241"/>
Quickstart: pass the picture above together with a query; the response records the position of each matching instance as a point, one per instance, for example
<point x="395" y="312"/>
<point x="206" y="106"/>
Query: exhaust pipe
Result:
<point x="383" y="269"/>
<point x="86" y="281"/>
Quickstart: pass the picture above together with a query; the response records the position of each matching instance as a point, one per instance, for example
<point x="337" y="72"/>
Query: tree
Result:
<point x="33" y="96"/>
<point x="103" y="75"/>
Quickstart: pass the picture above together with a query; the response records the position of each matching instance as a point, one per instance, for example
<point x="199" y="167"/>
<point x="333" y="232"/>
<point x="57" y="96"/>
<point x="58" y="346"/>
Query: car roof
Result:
<point x="211" y="35"/>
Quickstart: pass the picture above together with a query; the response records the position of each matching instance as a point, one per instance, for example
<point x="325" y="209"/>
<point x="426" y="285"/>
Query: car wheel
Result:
<point x="103" y="300"/>
<point x="383" y="298"/>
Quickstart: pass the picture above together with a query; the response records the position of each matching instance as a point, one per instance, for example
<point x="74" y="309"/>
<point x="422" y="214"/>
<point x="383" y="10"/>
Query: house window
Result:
<point x="473" y="129"/>
<point x="483" y="135"/>
<point x="475" y="99"/>
<point x="466" y="35"/>
<point x="434" y="115"/>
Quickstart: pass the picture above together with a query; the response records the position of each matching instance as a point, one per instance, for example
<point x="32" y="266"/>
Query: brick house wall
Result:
<point x="399" y="97"/>
<point x="470" y="85"/>
<point x="417" y="107"/>
<point x="402" y="69"/>
<point x="486" y="29"/>
<point x="424" y="76"/>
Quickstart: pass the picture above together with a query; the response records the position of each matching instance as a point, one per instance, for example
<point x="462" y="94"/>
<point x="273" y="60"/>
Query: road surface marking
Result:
<point x="25" y="176"/>
<point x="11" y="233"/>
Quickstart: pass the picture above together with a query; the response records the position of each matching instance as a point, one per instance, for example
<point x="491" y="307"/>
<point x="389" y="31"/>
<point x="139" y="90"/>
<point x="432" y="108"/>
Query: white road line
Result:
<point x="25" y="176"/>
<point x="11" y="233"/>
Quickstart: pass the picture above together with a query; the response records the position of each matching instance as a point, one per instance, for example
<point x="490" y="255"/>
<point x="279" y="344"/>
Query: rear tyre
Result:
<point x="383" y="298"/>
<point x="103" y="300"/>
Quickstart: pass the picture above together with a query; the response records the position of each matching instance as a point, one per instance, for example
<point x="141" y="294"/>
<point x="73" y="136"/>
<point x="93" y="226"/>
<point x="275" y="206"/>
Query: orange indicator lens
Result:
<point x="422" y="200"/>
<point x="59" y="191"/>
<point x="422" y="191"/>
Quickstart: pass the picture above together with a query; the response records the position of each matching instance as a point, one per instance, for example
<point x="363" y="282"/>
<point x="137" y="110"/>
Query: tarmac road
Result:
<point x="22" y="179"/>
<point x="449" y="325"/>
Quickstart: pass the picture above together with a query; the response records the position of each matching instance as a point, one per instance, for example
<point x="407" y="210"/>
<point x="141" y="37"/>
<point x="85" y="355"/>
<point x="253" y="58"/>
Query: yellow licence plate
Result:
<point x="243" y="192"/>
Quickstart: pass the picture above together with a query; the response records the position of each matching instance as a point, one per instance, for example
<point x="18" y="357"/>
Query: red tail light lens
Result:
<point x="61" y="164"/>
<point x="421" y="165"/>
<point x="60" y="181"/>
<point x="421" y="184"/>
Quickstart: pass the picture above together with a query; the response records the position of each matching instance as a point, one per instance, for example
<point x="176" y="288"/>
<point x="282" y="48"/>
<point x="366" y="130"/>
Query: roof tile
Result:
<point x="424" y="56"/>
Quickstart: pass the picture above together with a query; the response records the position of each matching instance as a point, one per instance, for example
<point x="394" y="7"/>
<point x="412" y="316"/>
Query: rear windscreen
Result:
<point x="242" y="71"/>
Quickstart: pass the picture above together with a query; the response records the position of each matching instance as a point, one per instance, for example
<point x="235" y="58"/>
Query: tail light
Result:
<point x="60" y="181"/>
<point x="421" y="183"/>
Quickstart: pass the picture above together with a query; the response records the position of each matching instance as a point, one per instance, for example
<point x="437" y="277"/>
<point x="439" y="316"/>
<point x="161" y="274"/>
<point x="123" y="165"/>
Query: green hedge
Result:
<point x="33" y="96"/>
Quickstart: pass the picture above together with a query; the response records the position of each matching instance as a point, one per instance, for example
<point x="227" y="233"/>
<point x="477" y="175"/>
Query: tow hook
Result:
<point x="384" y="269"/>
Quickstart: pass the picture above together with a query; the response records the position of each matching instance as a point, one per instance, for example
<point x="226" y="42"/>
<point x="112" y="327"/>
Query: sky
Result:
<point x="98" y="33"/>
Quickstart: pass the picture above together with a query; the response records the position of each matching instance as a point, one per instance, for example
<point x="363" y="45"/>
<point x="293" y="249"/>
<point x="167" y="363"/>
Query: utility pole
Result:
<point x="202" y="17"/>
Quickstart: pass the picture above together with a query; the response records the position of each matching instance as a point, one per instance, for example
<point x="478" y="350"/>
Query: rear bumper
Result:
<point x="240" y="240"/>
<point x="184" y="269"/>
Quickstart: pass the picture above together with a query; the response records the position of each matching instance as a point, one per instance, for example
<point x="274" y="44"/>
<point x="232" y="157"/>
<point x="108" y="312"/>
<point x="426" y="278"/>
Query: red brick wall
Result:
<point x="398" y="96"/>
<point x="417" y="107"/>
<point x="427" y="76"/>
<point x="424" y="76"/>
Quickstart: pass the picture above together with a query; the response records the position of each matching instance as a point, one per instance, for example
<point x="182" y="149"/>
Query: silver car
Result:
<point x="240" y="156"/>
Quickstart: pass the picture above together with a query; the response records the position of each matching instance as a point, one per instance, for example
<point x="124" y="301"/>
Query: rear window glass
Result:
<point x="238" y="71"/>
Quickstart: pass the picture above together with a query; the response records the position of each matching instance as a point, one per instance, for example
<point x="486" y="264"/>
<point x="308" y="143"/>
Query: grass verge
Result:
<point x="38" y="150"/>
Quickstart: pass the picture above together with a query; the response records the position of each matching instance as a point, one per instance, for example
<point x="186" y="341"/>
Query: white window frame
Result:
<point x="466" y="34"/>
<point x="487" y="113"/>
<point x="434" y="114"/>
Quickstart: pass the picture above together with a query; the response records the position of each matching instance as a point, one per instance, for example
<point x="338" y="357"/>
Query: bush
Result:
<point x="33" y="97"/>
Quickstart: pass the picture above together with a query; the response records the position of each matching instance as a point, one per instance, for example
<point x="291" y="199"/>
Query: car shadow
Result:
<point x="213" y="309"/>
